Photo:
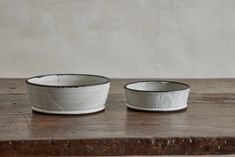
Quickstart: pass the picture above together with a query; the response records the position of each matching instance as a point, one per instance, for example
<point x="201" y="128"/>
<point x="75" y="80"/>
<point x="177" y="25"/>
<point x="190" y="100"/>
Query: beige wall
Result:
<point x="118" y="38"/>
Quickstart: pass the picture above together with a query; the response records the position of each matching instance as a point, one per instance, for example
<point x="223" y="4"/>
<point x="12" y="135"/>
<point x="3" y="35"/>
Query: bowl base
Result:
<point x="158" y="109"/>
<point x="68" y="112"/>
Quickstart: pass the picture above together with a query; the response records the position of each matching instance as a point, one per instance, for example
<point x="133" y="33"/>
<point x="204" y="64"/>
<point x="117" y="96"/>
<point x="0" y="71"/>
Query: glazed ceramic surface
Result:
<point x="68" y="93"/>
<point x="157" y="95"/>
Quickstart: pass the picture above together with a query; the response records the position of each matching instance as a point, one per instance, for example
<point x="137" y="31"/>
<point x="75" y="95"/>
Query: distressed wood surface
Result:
<point x="206" y="127"/>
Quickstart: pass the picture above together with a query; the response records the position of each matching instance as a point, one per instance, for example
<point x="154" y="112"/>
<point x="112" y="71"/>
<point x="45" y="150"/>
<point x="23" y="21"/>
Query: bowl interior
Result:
<point x="158" y="86"/>
<point x="68" y="80"/>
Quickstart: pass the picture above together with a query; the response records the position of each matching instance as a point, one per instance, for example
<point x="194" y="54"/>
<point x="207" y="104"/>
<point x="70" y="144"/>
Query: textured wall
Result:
<point x="118" y="38"/>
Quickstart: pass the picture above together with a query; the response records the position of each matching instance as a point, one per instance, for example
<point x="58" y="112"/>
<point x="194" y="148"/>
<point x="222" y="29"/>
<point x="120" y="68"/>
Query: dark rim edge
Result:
<point x="136" y="90"/>
<point x="52" y="86"/>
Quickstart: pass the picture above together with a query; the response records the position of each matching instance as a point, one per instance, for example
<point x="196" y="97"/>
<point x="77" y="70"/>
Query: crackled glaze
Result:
<point x="68" y="94"/>
<point x="157" y="95"/>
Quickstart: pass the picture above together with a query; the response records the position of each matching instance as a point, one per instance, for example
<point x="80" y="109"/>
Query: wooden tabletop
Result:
<point x="206" y="127"/>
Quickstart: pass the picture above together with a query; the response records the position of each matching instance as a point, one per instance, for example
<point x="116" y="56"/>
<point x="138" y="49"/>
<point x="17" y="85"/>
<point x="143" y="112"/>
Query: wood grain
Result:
<point x="206" y="127"/>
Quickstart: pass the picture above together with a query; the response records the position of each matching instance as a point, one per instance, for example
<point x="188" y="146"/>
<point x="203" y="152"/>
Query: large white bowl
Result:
<point x="68" y="93"/>
<point x="157" y="95"/>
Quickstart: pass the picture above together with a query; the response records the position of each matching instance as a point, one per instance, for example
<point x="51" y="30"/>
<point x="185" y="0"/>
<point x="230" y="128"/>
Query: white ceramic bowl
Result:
<point x="68" y="93"/>
<point x="157" y="95"/>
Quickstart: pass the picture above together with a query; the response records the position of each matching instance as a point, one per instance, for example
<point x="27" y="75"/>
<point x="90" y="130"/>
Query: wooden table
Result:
<point x="206" y="127"/>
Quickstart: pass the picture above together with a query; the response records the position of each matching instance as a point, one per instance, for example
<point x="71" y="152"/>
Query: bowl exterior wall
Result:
<point x="75" y="100"/>
<point x="157" y="101"/>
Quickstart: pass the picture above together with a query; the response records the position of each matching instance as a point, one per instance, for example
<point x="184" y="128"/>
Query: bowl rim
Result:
<point x="64" y="86"/>
<point x="187" y="86"/>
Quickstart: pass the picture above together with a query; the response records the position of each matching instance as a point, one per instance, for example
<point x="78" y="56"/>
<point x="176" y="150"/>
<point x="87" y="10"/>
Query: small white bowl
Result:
<point x="157" y="95"/>
<point x="68" y="93"/>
